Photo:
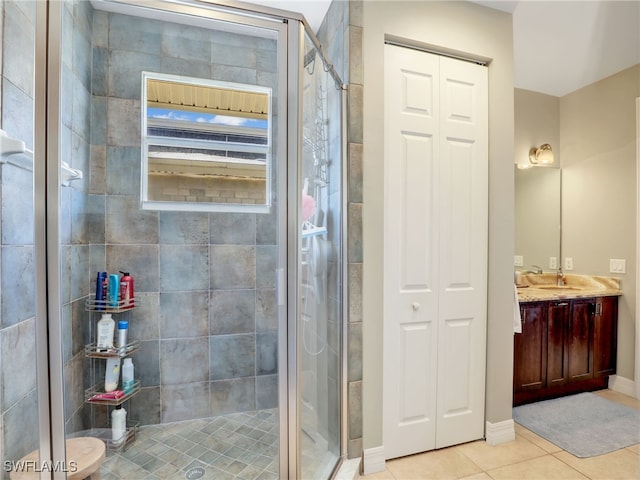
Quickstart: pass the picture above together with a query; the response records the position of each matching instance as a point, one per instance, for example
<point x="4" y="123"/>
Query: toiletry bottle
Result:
<point x="101" y="280"/>
<point x="114" y="289"/>
<point x="126" y="289"/>
<point x="127" y="376"/>
<point x="112" y="374"/>
<point x="106" y="326"/>
<point x="123" y="330"/>
<point x="118" y="425"/>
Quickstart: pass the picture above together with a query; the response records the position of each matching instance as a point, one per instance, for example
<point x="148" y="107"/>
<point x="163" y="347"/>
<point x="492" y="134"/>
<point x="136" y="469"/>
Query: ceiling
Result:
<point x="559" y="46"/>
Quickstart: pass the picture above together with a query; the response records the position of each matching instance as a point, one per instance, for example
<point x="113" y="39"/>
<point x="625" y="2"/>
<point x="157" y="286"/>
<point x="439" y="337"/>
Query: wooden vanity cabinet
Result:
<point x="530" y="349"/>
<point x="565" y="347"/>
<point x="558" y="316"/>
<point x="605" y="336"/>
<point x="579" y="340"/>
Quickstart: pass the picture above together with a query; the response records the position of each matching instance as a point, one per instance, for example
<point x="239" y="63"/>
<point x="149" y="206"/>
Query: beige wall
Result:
<point x="598" y="151"/>
<point x="480" y="31"/>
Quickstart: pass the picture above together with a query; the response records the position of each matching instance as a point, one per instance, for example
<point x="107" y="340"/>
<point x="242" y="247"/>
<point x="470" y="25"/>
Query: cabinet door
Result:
<point x="605" y="336"/>
<point x="579" y="338"/>
<point x="530" y="349"/>
<point x="556" y="345"/>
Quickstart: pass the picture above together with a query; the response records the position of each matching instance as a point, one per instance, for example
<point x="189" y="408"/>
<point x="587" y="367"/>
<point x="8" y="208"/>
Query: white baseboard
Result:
<point x="500" y="432"/>
<point x="373" y="460"/>
<point x="622" y="385"/>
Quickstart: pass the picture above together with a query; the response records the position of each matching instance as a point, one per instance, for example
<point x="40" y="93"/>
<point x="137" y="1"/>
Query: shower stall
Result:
<point x="198" y="148"/>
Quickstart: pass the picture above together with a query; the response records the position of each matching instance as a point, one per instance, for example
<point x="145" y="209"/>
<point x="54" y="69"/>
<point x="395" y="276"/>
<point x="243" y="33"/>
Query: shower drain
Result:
<point x="193" y="473"/>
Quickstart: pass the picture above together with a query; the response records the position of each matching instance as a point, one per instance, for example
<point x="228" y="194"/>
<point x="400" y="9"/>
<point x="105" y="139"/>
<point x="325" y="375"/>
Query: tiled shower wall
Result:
<point x="205" y="283"/>
<point x="18" y="399"/>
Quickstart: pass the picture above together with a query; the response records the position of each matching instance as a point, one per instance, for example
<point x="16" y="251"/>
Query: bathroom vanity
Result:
<point x="569" y="336"/>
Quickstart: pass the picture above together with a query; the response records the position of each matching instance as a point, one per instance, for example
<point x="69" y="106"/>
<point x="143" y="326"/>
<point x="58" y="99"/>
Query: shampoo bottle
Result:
<point x="106" y="327"/>
<point x="114" y="289"/>
<point x="126" y="289"/>
<point x="127" y="376"/>
<point x="101" y="290"/>
<point x="118" y="425"/>
<point x="112" y="374"/>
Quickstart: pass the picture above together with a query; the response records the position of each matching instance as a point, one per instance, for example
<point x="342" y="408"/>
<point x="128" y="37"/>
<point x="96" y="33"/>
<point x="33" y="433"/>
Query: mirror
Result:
<point x="205" y="145"/>
<point x="537" y="217"/>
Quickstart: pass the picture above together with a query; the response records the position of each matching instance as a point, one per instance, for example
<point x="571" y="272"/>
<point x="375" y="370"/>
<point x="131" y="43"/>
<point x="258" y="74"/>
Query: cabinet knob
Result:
<point x="415" y="306"/>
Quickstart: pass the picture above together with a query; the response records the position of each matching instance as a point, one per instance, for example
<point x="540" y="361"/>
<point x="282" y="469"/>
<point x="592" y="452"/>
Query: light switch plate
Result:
<point x="553" y="263"/>
<point x="617" y="265"/>
<point x="518" y="261"/>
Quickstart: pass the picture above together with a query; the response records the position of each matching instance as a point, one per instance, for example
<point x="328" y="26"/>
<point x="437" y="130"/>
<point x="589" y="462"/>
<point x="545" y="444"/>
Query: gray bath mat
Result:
<point x="584" y="425"/>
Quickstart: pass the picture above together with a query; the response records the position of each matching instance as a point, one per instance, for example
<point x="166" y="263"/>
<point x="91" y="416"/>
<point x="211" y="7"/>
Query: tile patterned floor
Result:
<point x="242" y="446"/>
<point x="528" y="457"/>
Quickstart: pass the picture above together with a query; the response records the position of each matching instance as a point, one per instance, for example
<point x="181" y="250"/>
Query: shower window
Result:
<point x="206" y="144"/>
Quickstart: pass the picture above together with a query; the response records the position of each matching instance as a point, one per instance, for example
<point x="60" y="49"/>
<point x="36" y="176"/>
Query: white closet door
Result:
<point x="462" y="301"/>
<point x="433" y="198"/>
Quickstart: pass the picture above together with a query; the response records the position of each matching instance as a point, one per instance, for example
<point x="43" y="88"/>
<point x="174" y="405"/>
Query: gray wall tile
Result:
<point x="140" y="260"/>
<point x="185" y="402"/>
<point x="232" y="311"/>
<point x="18" y="434"/>
<point x="232" y="228"/>
<point x="17" y="285"/>
<point x="146" y="364"/>
<point x="143" y="321"/>
<point x="267" y="392"/>
<point x="18" y="349"/>
<point x="232" y="356"/>
<point x="127" y="224"/>
<point x="123" y="171"/>
<point x="231" y="396"/>
<point x="266" y="353"/>
<point x="266" y="310"/>
<point x="184" y="360"/>
<point x="123" y="122"/>
<point x="184" y="314"/>
<point x="232" y="267"/>
<point x="125" y="72"/>
<point x="146" y="407"/>
<point x="18" y="58"/>
<point x="184" y="228"/>
<point x="184" y="267"/>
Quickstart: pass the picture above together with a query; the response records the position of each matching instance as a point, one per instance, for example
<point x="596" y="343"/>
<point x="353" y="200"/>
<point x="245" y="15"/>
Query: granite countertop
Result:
<point x="534" y="287"/>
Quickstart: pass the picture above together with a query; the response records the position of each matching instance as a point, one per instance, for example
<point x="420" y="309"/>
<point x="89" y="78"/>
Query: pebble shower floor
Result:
<point x="240" y="446"/>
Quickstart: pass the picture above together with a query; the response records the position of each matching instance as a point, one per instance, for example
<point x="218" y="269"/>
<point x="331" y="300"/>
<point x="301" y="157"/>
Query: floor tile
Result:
<point x="536" y="439"/>
<point x="439" y="464"/>
<point x="619" y="398"/>
<point x="169" y="450"/>
<point x="386" y="475"/>
<point x="618" y="465"/>
<point x="477" y="476"/>
<point x="488" y="457"/>
<point x="547" y="468"/>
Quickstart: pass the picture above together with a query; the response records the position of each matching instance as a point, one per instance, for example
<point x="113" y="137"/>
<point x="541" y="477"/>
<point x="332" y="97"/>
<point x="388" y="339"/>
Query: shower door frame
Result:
<point x="49" y="334"/>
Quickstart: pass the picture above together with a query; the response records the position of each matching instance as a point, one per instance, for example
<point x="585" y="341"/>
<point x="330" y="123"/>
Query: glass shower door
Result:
<point x="20" y="318"/>
<point x="320" y="285"/>
<point x="203" y="336"/>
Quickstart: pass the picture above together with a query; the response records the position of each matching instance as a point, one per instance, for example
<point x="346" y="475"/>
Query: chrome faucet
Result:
<point x="560" y="280"/>
<point x="538" y="269"/>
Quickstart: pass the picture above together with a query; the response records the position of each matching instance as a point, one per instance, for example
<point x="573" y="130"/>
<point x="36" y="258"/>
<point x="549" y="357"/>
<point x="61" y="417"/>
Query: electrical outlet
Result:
<point x="518" y="261"/>
<point x="568" y="263"/>
<point x="553" y="263"/>
<point x="617" y="265"/>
